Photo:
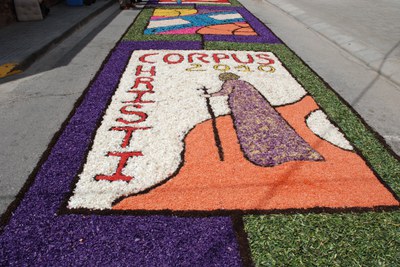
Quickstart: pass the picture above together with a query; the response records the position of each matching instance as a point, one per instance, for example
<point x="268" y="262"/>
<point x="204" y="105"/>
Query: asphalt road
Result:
<point x="375" y="23"/>
<point x="33" y="107"/>
<point x="369" y="30"/>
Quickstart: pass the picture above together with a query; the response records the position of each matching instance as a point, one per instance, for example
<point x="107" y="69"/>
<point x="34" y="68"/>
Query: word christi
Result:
<point x="132" y="108"/>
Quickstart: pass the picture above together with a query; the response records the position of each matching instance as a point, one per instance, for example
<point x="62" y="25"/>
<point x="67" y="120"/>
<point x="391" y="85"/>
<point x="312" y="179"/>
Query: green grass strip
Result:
<point x="365" y="239"/>
<point x="234" y="3"/>
<point x="135" y="32"/>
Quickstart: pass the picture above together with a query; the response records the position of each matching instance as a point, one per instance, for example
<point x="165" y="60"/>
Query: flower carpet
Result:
<point x="205" y="141"/>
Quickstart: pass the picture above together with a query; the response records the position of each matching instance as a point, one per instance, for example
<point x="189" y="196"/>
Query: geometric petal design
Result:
<point x="238" y="28"/>
<point x="202" y="21"/>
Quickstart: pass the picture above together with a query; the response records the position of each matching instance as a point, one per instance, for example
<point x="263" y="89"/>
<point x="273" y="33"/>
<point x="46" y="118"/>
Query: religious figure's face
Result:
<point x="228" y="76"/>
<point x="229" y="83"/>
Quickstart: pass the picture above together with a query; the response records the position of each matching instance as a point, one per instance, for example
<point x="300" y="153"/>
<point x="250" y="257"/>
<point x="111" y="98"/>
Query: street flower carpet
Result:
<point x="205" y="141"/>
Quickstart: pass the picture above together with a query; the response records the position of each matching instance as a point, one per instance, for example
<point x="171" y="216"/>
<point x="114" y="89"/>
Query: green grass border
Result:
<point x="233" y="3"/>
<point x="364" y="239"/>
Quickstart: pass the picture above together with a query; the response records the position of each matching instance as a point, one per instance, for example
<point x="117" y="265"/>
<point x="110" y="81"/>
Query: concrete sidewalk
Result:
<point x="22" y="43"/>
<point x="35" y="103"/>
<point x="368" y="30"/>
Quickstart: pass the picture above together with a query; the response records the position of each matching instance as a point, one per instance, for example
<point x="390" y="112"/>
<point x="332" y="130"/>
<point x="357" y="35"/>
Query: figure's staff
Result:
<point x="214" y="125"/>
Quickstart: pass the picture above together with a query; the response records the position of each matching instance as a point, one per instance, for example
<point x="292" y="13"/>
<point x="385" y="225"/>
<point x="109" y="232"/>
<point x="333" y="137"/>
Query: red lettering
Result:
<point x="139" y="95"/>
<point x="250" y="59"/>
<point x="128" y="133"/>
<point x="139" y="70"/>
<point x="266" y="57"/>
<point x="143" y="58"/>
<point x="124" y="110"/>
<point x="169" y="61"/>
<point x="131" y="122"/>
<point x="118" y="175"/>
<point x="143" y="80"/>
<point x="200" y="56"/>
<point x="219" y="56"/>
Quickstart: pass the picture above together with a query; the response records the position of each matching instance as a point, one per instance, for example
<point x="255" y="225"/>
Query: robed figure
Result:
<point x="265" y="138"/>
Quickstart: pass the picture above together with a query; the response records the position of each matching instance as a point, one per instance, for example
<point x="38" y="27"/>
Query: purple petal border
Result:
<point x="37" y="236"/>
